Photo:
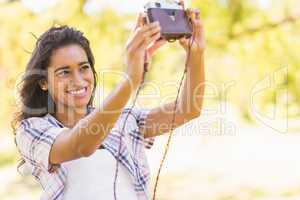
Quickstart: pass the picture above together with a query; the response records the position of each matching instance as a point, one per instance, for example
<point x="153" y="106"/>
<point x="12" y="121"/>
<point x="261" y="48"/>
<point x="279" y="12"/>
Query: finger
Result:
<point x="184" y="42"/>
<point x="198" y="24"/>
<point x="152" y="49"/>
<point x="140" y="33"/>
<point x="131" y="39"/>
<point x="151" y="40"/>
<point x="181" y="2"/>
<point x="143" y="34"/>
<point x="197" y="12"/>
<point x="150" y="26"/>
<point x="155" y="45"/>
<point x="194" y="15"/>
<point x="199" y="27"/>
<point x="138" y="24"/>
<point x="193" y="12"/>
<point x="147" y="41"/>
<point x="190" y="13"/>
<point x="146" y="35"/>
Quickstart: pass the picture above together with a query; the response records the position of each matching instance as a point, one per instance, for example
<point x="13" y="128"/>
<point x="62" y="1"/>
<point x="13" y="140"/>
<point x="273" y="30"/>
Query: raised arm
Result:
<point x="83" y="139"/>
<point x="191" y="98"/>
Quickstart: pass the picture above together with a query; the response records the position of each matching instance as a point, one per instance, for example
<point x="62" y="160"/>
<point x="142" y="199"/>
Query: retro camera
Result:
<point x="172" y="18"/>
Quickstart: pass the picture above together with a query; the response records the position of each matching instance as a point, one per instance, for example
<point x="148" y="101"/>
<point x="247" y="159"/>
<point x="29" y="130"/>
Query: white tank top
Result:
<point x="92" y="178"/>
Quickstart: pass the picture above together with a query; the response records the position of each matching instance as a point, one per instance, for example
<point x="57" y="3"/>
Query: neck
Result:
<point x="69" y="116"/>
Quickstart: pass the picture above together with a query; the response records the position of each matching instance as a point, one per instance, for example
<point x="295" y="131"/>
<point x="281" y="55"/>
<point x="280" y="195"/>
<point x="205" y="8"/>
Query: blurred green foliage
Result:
<point x="245" y="43"/>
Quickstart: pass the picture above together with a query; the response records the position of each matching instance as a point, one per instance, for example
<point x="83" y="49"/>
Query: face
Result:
<point x="70" y="79"/>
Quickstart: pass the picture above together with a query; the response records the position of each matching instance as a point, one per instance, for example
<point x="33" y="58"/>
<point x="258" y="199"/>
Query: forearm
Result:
<point x="189" y="102"/>
<point x="191" y="97"/>
<point x="90" y="132"/>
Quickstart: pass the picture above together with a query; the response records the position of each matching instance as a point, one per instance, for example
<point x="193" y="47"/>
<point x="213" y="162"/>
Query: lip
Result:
<point x="79" y="93"/>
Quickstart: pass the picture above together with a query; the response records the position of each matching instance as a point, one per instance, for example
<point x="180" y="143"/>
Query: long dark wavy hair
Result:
<point x="33" y="101"/>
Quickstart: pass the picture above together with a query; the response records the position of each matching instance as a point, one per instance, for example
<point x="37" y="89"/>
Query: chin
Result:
<point x="78" y="103"/>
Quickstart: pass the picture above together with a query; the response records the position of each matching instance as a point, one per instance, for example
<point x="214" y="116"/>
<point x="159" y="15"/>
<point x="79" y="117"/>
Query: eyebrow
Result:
<point x="67" y="67"/>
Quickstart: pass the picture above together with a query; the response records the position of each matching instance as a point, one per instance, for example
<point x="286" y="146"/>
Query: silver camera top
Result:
<point x="163" y="4"/>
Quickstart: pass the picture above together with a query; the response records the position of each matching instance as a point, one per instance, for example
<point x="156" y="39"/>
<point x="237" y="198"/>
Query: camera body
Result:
<point x="172" y="18"/>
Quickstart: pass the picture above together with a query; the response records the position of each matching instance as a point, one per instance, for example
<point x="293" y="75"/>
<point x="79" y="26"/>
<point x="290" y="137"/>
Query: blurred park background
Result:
<point x="244" y="146"/>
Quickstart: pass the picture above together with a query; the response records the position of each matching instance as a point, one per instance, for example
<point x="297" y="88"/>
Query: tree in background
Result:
<point x="246" y="41"/>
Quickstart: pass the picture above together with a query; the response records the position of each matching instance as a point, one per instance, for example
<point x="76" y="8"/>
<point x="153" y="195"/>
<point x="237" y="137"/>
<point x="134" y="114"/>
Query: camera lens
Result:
<point x="157" y="5"/>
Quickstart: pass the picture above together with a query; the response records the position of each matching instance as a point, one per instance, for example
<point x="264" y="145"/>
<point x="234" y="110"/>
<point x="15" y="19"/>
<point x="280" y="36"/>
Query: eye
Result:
<point x="85" y="67"/>
<point x="62" y="73"/>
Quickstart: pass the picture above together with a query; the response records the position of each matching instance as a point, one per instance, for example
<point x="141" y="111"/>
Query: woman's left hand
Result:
<point x="197" y="41"/>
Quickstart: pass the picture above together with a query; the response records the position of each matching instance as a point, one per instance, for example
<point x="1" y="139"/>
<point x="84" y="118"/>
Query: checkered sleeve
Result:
<point x="35" y="137"/>
<point x="141" y="119"/>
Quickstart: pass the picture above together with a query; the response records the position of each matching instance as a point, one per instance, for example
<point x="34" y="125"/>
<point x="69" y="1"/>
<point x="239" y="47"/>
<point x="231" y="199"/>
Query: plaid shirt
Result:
<point x="36" y="135"/>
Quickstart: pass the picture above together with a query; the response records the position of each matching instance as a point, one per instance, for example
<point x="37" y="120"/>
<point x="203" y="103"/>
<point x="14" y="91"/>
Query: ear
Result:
<point x="43" y="84"/>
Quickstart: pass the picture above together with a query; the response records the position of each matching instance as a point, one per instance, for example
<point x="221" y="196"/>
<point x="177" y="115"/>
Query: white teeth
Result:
<point x="77" y="91"/>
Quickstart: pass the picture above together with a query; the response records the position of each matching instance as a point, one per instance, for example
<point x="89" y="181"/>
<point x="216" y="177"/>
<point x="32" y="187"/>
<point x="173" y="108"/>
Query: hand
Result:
<point x="139" y="47"/>
<point x="153" y="47"/>
<point x="198" y="38"/>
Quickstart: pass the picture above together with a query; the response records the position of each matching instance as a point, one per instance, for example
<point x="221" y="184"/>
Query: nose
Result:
<point x="78" y="79"/>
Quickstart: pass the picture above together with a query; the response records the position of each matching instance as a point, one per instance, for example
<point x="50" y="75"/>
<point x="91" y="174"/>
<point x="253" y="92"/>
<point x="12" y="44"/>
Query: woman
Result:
<point x="70" y="147"/>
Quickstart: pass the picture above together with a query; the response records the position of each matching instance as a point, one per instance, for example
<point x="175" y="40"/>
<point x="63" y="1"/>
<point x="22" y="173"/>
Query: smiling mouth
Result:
<point x="78" y="92"/>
